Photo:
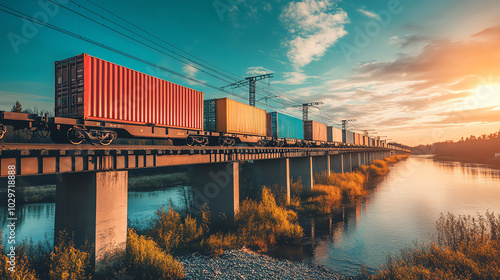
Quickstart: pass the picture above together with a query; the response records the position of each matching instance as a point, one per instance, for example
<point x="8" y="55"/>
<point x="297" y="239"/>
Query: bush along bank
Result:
<point x="330" y="191"/>
<point x="466" y="248"/>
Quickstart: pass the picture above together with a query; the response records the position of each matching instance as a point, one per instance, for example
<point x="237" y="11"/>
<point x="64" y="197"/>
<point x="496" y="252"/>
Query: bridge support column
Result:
<point x="93" y="206"/>
<point x="355" y="159"/>
<point x="347" y="162"/>
<point x="273" y="171"/>
<point x="303" y="168"/>
<point x="218" y="186"/>
<point x="322" y="164"/>
<point x="337" y="162"/>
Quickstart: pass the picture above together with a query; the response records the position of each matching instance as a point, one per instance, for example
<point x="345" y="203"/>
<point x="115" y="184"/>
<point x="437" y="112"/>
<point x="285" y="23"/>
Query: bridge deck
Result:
<point x="36" y="159"/>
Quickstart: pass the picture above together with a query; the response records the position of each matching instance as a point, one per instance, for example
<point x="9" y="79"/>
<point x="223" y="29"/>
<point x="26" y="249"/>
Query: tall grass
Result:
<point x="174" y="233"/>
<point x="330" y="190"/>
<point x="68" y="262"/>
<point x="264" y="224"/>
<point x="146" y="260"/>
<point x="466" y="248"/>
<point x="23" y="269"/>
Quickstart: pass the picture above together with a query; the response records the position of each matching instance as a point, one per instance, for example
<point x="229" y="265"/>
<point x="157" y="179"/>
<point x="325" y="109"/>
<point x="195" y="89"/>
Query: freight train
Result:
<point x="98" y="101"/>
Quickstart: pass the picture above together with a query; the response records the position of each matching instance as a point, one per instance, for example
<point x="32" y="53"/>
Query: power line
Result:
<point x="131" y="38"/>
<point x="160" y="39"/>
<point x="83" y="38"/>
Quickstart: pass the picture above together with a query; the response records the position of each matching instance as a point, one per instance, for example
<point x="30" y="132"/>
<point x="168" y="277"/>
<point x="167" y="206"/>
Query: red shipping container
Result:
<point x="315" y="131"/>
<point x="91" y="88"/>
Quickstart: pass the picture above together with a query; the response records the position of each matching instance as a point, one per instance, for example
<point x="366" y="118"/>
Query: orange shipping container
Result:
<point x="315" y="131"/>
<point x="236" y="117"/>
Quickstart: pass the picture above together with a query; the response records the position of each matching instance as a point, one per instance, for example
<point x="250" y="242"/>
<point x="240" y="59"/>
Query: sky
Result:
<point x="416" y="72"/>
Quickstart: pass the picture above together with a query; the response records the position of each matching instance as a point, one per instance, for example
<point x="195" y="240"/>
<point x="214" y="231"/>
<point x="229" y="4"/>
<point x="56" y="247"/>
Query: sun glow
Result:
<point x="486" y="95"/>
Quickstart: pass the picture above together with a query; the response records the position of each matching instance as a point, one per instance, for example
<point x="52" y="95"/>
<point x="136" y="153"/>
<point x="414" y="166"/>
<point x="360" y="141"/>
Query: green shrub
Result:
<point x="146" y="260"/>
<point x="264" y="224"/>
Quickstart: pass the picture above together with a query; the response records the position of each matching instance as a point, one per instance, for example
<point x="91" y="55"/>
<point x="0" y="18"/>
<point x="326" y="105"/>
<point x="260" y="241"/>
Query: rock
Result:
<point x="245" y="264"/>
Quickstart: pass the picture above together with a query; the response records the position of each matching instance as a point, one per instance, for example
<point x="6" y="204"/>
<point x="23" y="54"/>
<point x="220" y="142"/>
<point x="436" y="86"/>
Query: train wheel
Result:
<point x="261" y="143"/>
<point x="222" y="142"/>
<point x="204" y="142"/>
<point x="74" y="136"/>
<point x="190" y="141"/>
<point x="108" y="139"/>
<point x="3" y="130"/>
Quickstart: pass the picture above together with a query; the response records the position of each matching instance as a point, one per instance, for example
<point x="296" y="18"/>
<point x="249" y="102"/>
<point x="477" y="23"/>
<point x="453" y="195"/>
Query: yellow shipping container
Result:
<point x="236" y="117"/>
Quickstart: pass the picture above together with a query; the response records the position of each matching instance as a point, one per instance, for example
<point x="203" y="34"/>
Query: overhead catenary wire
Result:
<point x="281" y="101"/>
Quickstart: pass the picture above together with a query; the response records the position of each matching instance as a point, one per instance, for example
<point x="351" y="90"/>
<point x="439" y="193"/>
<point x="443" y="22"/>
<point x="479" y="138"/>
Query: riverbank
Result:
<point x="493" y="163"/>
<point x="246" y="264"/>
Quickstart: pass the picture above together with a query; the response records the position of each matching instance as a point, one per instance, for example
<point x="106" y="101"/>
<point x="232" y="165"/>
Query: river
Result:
<point x="402" y="207"/>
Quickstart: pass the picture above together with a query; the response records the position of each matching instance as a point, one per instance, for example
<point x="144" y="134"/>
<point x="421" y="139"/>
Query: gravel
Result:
<point x="244" y="264"/>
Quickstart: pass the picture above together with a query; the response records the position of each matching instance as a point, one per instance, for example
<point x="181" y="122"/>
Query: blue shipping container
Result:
<point x="283" y="126"/>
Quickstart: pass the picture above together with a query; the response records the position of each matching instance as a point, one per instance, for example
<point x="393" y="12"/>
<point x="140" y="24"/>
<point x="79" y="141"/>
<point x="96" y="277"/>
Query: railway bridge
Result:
<point x="91" y="192"/>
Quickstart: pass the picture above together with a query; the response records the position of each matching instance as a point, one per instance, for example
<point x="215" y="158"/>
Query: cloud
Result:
<point x="258" y="70"/>
<point x="408" y="40"/>
<point x="294" y="78"/>
<point x="368" y="13"/>
<point x="191" y="71"/>
<point x="28" y="101"/>
<point x="315" y="26"/>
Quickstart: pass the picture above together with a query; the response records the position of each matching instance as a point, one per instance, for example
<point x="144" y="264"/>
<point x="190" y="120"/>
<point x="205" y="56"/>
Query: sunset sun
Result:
<point x="486" y="95"/>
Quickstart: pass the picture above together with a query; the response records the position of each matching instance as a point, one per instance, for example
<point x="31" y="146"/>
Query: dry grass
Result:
<point x="173" y="233"/>
<point x="218" y="242"/>
<point x="264" y="224"/>
<point x="146" y="260"/>
<point x="467" y="248"/>
<point x="331" y="190"/>
<point x="23" y="269"/>
<point x="68" y="262"/>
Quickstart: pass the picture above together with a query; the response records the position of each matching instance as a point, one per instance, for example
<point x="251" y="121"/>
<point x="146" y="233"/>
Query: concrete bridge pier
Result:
<point x="322" y="164"/>
<point x="347" y="162"/>
<point x="337" y="162"/>
<point x="303" y="168"/>
<point x="270" y="172"/>
<point x="218" y="186"/>
<point x="93" y="206"/>
<point x="356" y="160"/>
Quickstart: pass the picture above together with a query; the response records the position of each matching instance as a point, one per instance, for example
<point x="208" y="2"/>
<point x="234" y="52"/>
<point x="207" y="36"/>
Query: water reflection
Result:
<point x="402" y="208"/>
<point x="36" y="221"/>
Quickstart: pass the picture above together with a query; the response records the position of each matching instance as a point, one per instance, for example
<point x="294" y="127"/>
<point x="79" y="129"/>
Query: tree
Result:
<point x="17" y="107"/>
